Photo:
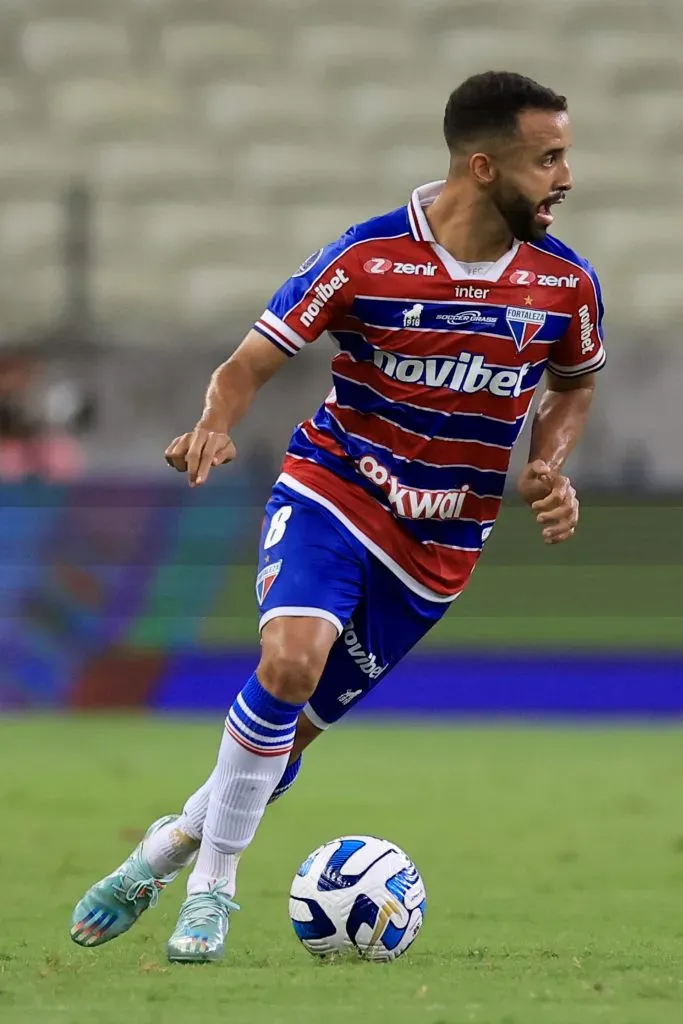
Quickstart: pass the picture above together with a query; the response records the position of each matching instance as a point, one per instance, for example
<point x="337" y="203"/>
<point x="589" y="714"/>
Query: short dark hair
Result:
<point x="490" y="103"/>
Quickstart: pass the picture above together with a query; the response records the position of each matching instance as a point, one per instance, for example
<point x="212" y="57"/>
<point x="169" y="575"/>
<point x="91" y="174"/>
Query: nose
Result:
<point x="567" y="180"/>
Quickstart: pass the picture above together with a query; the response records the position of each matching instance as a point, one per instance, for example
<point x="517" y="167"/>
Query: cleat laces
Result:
<point x="203" y="907"/>
<point x="137" y="888"/>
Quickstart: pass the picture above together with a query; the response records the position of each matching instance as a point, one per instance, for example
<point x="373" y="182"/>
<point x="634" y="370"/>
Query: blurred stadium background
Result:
<point x="164" y="165"/>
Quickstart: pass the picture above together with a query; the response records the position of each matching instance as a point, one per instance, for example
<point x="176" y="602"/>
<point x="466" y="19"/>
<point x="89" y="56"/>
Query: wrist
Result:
<point x="213" y="420"/>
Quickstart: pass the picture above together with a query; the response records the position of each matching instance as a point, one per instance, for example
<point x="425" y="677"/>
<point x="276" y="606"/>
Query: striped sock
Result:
<point x="253" y="755"/>
<point x="287" y="781"/>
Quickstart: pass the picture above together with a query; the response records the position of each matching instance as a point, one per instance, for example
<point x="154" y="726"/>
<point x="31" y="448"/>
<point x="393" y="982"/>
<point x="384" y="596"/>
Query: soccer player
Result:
<point x="446" y="314"/>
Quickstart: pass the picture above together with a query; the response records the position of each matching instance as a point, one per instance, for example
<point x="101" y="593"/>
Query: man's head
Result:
<point x="510" y="136"/>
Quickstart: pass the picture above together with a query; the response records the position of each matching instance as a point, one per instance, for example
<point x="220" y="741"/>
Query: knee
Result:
<point x="290" y="673"/>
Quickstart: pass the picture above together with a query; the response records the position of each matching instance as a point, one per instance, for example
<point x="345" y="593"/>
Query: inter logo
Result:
<point x="265" y="580"/>
<point x="525" y="324"/>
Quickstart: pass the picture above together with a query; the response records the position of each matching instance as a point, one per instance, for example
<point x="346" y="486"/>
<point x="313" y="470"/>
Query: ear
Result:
<point x="482" y="169"/>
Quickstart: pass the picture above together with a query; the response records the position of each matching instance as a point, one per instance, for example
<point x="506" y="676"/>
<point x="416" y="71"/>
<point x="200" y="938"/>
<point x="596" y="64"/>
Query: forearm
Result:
<point x="231" y="391"/>
<point x="559" y="423"/>
<point x="234" y="384"/>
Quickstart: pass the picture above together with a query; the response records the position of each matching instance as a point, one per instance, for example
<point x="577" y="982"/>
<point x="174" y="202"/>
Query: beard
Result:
<point x="519" y="213"/>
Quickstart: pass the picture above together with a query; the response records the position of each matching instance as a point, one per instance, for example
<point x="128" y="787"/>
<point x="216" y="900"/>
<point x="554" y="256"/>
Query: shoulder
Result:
<point x="385" y="226"/>
<point x="560" y="253"/>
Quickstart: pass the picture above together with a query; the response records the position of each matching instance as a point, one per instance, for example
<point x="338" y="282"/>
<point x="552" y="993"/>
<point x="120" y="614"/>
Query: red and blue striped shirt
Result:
<point x="435" y="369"/>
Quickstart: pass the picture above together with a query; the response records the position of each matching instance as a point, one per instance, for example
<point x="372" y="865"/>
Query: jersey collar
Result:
<point x="424" y="196"/>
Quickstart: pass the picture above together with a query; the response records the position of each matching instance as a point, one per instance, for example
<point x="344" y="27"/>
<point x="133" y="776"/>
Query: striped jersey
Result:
<point x="435" y="367"/>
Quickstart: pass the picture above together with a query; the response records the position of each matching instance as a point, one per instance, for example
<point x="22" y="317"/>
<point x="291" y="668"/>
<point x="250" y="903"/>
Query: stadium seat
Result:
<point x="661" y="111"/>
<point x="96" y="108"/>
<point x="219" y="134"/>
<point x="324" y="12"/>
<point x="216" y="12"/>
<point x="20" y="107"/>
<point x="32" y="10"/>
<point x="31" y="229"/>
<point x="283" y="169"/>
<point x="381" y="114"/>
<point x="657" y="74"/>
<point x="247" y="112"/>
<point x="211" y="292"/>
<point x="152" y="167"/>
<point x="33" y="165"/>
<point x="311" y="225"/>
<point x="477" y="49"/>
<point x="342" y="54"/>
<point x="585" y="17"/>
<point x="136" y="295"/>
<point x="75" y="45"/>
<point x="656" y="293"/>
<point x="195" y="51"/>
<point x="30" y="301"/>
<point x="432" y="17"/>
<point x="179" y="235"/>
<point x="405" y="166"/>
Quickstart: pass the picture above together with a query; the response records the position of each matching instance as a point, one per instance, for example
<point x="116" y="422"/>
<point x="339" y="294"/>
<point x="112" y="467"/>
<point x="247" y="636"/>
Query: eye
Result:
<point x="549" y="160"/>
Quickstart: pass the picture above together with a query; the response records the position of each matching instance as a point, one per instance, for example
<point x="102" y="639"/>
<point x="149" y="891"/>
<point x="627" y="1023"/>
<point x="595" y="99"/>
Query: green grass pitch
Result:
<point x="553" y="860"/>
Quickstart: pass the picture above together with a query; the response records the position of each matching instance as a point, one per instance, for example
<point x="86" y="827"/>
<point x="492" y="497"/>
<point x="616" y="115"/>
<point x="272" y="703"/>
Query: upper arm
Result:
<point x="313" y="299"/>
<point x="581" y="350"/>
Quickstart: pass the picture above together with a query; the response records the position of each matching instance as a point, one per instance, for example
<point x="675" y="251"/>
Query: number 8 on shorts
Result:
<point x="278" y="525"/>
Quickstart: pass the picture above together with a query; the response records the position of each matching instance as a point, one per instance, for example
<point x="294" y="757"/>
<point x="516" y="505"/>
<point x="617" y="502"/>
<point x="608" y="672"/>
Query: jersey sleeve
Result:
<point x="316" y="297"/>
<point x="581" y="350"/>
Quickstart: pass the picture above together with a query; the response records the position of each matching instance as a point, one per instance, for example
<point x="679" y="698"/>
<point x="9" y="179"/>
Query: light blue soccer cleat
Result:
<point x="202" y="926"/>
<point x="113" y="905"/>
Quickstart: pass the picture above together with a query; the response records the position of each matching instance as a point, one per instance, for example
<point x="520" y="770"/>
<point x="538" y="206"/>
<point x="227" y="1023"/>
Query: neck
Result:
<point x="470" y="232"/>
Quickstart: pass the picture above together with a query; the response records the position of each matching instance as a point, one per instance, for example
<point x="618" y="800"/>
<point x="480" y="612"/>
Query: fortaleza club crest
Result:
<point x="525" y="324"/>
<point x="265" y="580"/>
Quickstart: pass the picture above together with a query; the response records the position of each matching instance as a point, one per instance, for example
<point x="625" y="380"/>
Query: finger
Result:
<point x="175" y="454"/>
<point x="561" y="494"/>
<point x="206" y="459"/>
<point x="565" y="516"/>
<point x="568" y="510"/>
<point x="557" y="534"/>
<point x="194" y="454"/>
<point x="224" y="453"/>
<point x="550" y="502"/>
<point x="538" y="468"/>
<point x="171" y="447"/>
<point x="543" y="474"/>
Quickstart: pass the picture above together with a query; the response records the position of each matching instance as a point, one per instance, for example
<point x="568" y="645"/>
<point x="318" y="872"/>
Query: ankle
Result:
<point x="224" y="881"/>
<point x="169" y="849"/>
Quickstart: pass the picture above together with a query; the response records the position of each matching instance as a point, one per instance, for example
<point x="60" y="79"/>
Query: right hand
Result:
<point x="198" y="452"/>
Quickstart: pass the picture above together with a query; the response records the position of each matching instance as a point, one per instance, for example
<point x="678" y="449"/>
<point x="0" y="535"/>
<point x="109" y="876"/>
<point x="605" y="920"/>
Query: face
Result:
<point x="531" y="174"/>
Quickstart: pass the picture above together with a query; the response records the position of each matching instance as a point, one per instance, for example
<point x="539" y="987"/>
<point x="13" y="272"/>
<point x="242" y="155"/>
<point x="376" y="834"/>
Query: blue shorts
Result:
<point x="309" y="564"/>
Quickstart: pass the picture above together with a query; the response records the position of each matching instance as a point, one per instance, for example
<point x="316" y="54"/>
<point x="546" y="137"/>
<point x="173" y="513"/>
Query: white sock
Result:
<point x="254" y="751"/>
<point x="192" y="819"/>
<point x="171" y="847"/>
<point x="243" y="784"/>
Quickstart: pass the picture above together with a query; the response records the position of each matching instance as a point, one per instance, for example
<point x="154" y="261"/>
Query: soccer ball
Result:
<point x="357" y="893"/>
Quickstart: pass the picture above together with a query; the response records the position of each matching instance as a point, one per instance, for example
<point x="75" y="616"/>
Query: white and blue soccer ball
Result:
<point x="357" y="893"/>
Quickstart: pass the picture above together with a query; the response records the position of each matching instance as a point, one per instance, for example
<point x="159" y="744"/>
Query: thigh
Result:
<point x="387" y="622"/>
<point x="309" y="566"/>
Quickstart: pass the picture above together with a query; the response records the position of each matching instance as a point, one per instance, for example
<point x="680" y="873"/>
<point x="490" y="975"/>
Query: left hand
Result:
<point x="553" y="499"/>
